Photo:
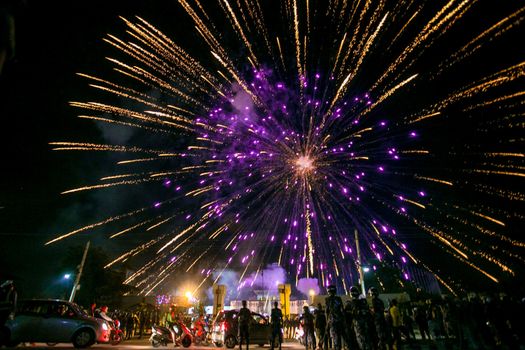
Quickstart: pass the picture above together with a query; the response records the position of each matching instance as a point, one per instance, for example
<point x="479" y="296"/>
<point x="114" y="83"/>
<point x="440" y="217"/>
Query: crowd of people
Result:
<point x="469" y="323"/>
<point x="474" y="322"/>
<point x="135" y="322"/>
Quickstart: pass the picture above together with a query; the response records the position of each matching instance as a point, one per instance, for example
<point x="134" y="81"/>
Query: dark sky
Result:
<point x="54" y="40"/>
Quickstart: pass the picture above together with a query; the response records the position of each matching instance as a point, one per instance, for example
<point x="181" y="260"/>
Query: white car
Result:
<point x="53" y="321"/>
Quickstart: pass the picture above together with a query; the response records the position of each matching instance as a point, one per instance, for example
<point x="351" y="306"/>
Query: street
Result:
<point x="136" y="344"/>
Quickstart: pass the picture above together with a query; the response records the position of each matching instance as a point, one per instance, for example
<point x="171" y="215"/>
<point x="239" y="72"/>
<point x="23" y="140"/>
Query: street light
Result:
<point x="366" y="269"/>
<point x="67" y="276"/>
<point x="312" y="294"/>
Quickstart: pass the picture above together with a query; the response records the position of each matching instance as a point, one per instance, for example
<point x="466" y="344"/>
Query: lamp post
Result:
<point x="361" y="272"/>
<point x="76" y="285"/>
<point x="66" y="278"/>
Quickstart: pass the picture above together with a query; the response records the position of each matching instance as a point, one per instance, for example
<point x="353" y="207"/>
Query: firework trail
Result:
<point x="281" y="140"/>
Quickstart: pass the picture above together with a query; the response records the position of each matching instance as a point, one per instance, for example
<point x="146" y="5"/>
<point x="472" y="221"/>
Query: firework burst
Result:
<point x="284" y="136"/>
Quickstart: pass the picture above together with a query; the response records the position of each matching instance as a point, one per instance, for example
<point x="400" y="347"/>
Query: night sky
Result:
<point x="56" y="40"/>
<point x="53" y="42"/>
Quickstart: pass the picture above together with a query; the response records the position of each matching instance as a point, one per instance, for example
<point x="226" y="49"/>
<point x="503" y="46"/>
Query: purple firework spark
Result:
<point x="279" y="155"/>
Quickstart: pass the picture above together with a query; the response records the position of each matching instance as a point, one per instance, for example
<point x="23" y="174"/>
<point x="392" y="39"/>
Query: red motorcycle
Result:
<point x="116" y="335"/>
<point x="200" y="331"/>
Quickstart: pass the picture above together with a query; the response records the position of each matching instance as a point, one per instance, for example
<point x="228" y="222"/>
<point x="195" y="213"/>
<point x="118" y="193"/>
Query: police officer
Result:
<point x="361" y="318"/>
<point x="245" y="316"/>
<point x="320" y="327"/>
<point x="378" y="315"/>
<point x="307" y="320"/>
<point x="276" y="319"/>
<point x="335" y="317"/>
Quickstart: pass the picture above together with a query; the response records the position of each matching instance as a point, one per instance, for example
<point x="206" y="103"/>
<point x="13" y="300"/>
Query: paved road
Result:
<point x="144" y="344"/>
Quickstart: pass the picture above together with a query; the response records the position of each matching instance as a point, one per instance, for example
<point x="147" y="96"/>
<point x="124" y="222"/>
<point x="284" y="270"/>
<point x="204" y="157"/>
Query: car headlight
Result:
<point x="105" y="326"/>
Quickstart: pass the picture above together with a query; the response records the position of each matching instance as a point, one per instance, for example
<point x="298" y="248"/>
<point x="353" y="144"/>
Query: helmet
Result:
<point x="373" y="291"/>
<point x="354" y="291"/>
<point x="104" y="308"/>
<point x="331" y="289"/>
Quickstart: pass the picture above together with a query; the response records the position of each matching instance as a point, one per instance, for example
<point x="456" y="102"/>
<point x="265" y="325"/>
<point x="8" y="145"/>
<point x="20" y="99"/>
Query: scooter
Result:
<point x="161" y="336"/>
<point x="179" y="335"/>
<point x="183" y="335"/>
<point x="200" y="333"/>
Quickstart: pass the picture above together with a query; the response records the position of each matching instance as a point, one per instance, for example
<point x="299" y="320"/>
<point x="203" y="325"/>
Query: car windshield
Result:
<point x="78" y="309"/>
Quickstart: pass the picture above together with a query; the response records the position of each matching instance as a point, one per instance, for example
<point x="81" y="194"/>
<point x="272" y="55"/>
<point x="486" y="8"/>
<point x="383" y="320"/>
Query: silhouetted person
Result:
<point x="320" y="327"/>
<point x="396" y="324"/>
<point x="360" y="319"/>
<point x="378" y="314"/>
<point x="422" y="323"/>
<point x="245" y="316"/>
<point x="307" y="320"/>
<point x="335" y="317"/>
<point x="276" y="319"/>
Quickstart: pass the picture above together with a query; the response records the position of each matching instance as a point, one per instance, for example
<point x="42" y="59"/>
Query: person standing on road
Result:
<point x="307" y="320"/>
<point x="396" y="324"/>
<point x="245" y="316"/>
<point x="130" y="324"/>
<point x="422" y="322"/>
<point x="320" y="327"/>
<point x="335" y="317"/>
<point x="378" y="314"/>
<point x="276" y="319"/>
<point x="360" y="319"/>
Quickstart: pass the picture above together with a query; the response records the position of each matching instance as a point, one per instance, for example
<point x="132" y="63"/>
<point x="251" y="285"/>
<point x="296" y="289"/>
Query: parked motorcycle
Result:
<point x="116" y="335"/>
<point x="183" y="335"/>
<point x="179" y="334"/>
<point x="200" y="332"/>
<point x="161" y="336"/>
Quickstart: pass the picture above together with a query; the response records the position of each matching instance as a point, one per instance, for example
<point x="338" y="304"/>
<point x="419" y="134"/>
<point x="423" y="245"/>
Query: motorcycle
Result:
<point x="200" y="332"/>
<point x="179" y="335"/>
<point x="182" y="335"/>
<point x="116" y="335"/>
<point x="161" y="336"/>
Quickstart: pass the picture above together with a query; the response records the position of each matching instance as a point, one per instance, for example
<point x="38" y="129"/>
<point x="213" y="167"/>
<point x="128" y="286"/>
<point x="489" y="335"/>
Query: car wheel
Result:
<point x="83" y="338"/>
<point x="186" y="342"/>
<point x="218" y="344"/>
<point x="230" y="342"/>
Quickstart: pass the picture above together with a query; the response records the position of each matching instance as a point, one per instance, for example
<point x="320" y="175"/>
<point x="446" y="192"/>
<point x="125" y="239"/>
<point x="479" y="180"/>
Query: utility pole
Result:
<point x="76" y="285"/>
<point x="359" y="265"/>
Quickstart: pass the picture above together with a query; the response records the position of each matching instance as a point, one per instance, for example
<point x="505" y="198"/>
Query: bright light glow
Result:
<point x="366" y="269"/>
<point x="312" y="292"/>
<point x="189" y="295"/>
<point x="304" y="163"/>
<point x="67" y="276"/>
